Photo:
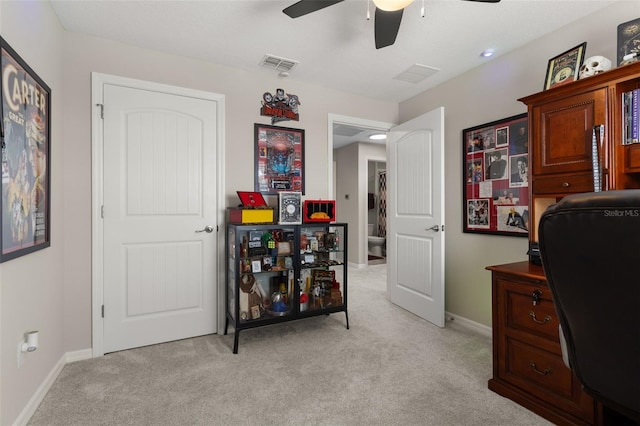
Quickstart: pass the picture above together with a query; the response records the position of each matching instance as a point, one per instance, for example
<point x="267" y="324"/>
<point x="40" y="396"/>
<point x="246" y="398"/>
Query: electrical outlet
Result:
<point x="20" y="354"/>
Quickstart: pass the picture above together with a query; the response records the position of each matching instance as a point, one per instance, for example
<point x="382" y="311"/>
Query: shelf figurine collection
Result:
<point x="271" y="294"/>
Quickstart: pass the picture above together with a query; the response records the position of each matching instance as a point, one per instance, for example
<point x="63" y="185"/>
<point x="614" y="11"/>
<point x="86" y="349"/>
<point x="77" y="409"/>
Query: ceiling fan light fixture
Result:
<point x="392" y="5"/>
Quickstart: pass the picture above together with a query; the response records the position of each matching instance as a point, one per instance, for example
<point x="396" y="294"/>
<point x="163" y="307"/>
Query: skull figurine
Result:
<point x="594" y="65"/>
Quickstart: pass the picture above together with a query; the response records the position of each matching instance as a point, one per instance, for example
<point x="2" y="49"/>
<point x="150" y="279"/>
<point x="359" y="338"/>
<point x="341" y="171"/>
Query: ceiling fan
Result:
<point x="387" y="17"/>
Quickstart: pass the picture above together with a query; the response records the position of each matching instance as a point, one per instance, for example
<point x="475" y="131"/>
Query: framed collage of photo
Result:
<point x="495" y="177"/>
<point x="279" y="159"/>
<point x="25" y="110"/>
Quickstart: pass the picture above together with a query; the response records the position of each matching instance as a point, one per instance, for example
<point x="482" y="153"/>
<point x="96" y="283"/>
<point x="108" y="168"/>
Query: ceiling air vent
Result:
<point x="277" y="63"/>
<point x="416" y="73"/>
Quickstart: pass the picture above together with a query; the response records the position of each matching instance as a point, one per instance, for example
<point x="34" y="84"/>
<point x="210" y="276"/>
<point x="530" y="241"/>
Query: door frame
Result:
<point x="98" y="80"/>
<point x="382" y="126"/>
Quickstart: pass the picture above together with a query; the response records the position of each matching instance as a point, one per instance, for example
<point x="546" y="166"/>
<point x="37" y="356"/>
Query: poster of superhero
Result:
<point x="25" y="130"/>
<point x="279" y="159"/>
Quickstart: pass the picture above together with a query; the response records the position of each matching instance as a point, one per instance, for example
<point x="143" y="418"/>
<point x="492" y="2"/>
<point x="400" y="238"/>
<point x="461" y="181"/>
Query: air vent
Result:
<point x="277" y="63"/>
<point x="416" y="73"/>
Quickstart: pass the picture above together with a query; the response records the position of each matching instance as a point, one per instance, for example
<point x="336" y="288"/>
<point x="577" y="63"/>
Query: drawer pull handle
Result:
<point x="566" y="184"/>
<point x="536" y="320"/>
<point x="542" y="372"/>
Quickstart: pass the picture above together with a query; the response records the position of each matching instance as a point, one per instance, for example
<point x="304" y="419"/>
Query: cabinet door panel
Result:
<point x="564" y="131"/>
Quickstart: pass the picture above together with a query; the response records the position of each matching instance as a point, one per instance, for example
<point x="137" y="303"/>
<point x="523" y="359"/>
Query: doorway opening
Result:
<point x="376" y="212"/>
<point x="357" y="213"/>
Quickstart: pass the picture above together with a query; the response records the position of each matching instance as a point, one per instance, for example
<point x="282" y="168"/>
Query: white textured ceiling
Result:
<point x="334" y="46"/>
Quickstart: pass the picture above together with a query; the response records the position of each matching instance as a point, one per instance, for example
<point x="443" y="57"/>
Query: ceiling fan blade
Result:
<point x="304" y="7"/>
<point x="386" y="26"/>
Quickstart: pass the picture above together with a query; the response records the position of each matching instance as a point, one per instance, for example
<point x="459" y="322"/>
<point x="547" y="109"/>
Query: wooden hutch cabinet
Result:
<point x="561" y="124"/>
<point x="527" y="362"/>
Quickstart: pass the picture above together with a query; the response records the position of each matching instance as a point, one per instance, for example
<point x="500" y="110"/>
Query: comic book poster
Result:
<point x="25" y="111"/>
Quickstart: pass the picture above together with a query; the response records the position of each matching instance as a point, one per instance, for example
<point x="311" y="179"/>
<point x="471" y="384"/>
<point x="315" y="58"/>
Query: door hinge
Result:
<point x="217" y="228"/>
<point x="102" y="211"/>
<point x="101" y="110"/>
<point x="102" y="311"/>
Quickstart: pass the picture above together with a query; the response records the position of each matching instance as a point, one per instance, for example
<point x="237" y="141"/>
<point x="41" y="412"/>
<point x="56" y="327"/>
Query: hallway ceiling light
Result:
<point x="378" y="137"/>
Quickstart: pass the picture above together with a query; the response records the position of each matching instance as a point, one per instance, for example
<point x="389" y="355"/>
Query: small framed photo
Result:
<point x="290" y="205"/>
<point x="565" y="67"/>
<point x="284" y="248"/>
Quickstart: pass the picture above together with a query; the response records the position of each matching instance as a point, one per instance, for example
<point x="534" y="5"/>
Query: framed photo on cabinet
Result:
<point x="496" y="177"/>
<point x="628" y="39"/>
<point x="290" y="208"/>
<point x="565" y="67"/>
<point x="25" y="135"/>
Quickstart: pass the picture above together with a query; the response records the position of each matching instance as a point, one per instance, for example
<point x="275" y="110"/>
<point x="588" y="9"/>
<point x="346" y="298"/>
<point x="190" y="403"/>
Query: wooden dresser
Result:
<point x="527" y="361"/>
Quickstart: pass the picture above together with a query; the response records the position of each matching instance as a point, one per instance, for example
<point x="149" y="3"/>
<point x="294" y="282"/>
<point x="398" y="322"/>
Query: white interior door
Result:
<point x="415" y="209"/>
<point x="159" y="217"/>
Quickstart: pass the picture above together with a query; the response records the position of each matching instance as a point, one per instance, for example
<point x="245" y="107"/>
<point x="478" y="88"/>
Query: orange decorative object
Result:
<point x="319" y="211"/>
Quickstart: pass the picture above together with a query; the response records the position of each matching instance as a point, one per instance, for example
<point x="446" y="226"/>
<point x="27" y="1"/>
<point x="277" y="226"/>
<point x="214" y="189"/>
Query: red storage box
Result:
<point x="319" y="211"/>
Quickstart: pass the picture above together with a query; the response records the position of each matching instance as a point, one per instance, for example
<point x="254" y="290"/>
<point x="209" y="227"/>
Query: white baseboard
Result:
<point x="79" y="355"/>
<point x="42" y="390"/>
<point x="471" y="325"/>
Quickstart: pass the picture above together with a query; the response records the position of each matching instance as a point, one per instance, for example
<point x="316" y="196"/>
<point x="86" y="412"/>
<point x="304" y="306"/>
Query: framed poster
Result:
<point x="496" y="177"/>
<point x="25" y="135"/>
<point x="279" y="159"/>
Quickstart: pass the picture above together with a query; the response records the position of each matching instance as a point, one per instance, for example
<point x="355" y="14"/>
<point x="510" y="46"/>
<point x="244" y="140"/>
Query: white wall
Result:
<point x="489" y="93"/>
<point x="51" y="290"/>
<point x="32" y="289"/>
<point x="243" y="92"/>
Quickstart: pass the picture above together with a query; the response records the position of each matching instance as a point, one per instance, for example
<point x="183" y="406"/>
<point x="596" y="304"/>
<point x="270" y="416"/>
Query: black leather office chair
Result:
<point x="590" y="250"/>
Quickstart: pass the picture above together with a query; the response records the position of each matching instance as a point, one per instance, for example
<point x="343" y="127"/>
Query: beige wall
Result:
<point x="485" y="94"/>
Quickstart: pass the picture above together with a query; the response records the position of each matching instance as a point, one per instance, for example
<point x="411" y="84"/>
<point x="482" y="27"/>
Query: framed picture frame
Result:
<point x="25" y="108"/>
<point x="279" y="159"/>
<point x="495" y="163"/>
<point x="290" y="208"/>
<point x="628" y="39"/>
<point x="565" y="67"/>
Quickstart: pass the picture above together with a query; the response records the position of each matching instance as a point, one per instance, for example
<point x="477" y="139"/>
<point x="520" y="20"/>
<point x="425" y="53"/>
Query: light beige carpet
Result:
<point x="390" y="368"/>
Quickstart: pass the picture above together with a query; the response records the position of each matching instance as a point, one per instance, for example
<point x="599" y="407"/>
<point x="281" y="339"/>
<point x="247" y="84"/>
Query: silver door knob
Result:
<point x="433" y="228"/>
<point x="208" y="229"/>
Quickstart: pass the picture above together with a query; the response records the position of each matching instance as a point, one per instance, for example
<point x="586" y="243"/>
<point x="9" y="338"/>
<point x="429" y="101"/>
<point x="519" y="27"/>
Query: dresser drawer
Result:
<point x="544" y="375"/>
<point x="563" y="184"/>
<point x="522" y="314"/>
